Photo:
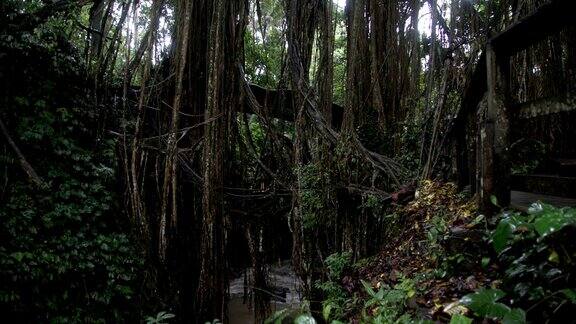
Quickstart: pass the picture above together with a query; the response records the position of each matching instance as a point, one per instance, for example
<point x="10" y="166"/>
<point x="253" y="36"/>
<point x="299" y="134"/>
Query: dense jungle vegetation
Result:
<point x="152" y="151"/>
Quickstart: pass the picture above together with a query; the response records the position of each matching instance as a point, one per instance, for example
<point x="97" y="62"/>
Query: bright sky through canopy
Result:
<point x="341" y="3"/>
<point x="424" y="15"/>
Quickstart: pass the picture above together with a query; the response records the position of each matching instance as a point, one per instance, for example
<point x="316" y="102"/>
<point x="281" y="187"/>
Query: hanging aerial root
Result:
<point x="379" y="164"/>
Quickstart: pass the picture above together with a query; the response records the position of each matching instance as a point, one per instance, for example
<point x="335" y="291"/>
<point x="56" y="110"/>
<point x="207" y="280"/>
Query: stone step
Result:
<point x="566" y="167"/>
<point x="553" y="185"/>
<point x="523" y="200"/>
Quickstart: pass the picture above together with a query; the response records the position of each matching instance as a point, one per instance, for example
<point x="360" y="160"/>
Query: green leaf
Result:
<point x="515" y="316"/>
<point x="485" y="262"/>
<point x="570" y="294"/>
<point x="554" y="257"/>
<point x="127" y="291"/>
<point x="535" y="208"/>
<point x="502" y="235"/>
<point x="460" y="319"/>
<point x="553" y="220"/>
<point x="305" y="319"/>
<point x="160" y="318"/>
<point x="18" y="256"/>
<point x="277" y="317"/>
<point x="484" y="303"/>
<point x="326" y="310"/>
<point x="477" y="220"/>
<point x="368" y="289"/>
<point x="494" y="201"/>
<point x="379" y="295"/>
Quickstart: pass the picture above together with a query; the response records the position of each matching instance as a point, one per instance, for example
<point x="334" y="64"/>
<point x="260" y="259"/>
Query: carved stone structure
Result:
<point x="489" y="121"/>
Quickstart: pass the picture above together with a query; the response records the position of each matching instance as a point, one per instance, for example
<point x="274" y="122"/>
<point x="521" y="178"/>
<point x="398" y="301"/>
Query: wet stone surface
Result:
<point x="284" y="290"/>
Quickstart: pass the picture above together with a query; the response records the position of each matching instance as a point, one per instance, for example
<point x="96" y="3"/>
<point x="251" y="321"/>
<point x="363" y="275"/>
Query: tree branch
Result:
<point x="32" y="175"/>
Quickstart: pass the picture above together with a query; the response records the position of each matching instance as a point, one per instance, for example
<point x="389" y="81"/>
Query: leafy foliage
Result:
<point x="287" y="316"/>
<point x="64" y="256"/>
<point x="388" y="305"/>
<point x="526" y="156"/>
<point x="485" y="304"/>
<point x="265" y="46"/>
<point x="336" y="298"/>
<point x="460" y="319"/>
<point x="316" y="184"/>
<point x="537" y="254"/>
<point x="161" y="318"/>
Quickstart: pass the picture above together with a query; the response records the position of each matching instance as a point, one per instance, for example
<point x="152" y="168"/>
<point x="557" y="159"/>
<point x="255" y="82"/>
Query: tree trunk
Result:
<point x="224" y="49"/>
<point x="169" y="188"/>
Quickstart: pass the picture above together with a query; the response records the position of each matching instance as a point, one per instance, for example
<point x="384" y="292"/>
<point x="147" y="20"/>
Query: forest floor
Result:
<point x="435" y="249"/>
<point x="447" y="263"/>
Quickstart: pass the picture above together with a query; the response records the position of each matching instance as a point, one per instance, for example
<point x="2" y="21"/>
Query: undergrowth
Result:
<point x="65" y="253"/>
<point x="453" y="265"/>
